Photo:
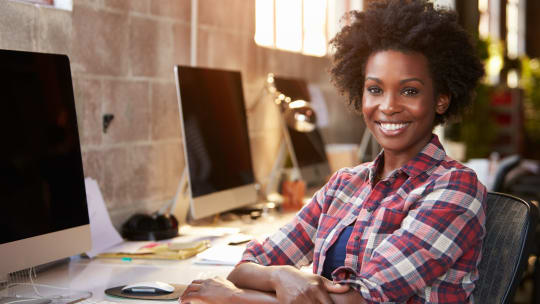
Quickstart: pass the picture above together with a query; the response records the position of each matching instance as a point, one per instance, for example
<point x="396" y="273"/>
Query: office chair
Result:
<point x="505" y="165"/>
<point x="510" y="225"/>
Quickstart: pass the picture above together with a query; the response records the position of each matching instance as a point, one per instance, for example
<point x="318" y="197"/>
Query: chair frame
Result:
<point x="526" y="249"/>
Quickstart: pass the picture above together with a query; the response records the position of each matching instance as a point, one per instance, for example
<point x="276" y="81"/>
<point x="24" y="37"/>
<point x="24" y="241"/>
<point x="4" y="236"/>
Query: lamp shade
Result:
<point x="300" y="116"/>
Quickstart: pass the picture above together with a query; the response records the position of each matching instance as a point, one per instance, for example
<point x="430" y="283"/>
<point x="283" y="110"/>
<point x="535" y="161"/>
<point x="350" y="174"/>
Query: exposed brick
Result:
<point x="91" y="3"/>
<point x="110" y="42"/>
<point x="182" y="44"/>
<point x="146" y="166"/>
<point x="158" y="168"/>
<point x="220" y="49"/>
<point x="17" y="25"/>
<point x="93" y="165"/>
<point x="100" y="41"/>
<point x="174" y="166"/>
<point x="151" y="51"/>
<point x="264" y="150"/>
<point x="129" y="102"/>
<point x="165" y="115"/>
<point x="177" y="9"/>
<point x="235" y="15"/>
<point x="88" y="99"/>
<point x="253" y="71"/>
<point x="139" y="6"/>
<point x="264" y="116"/>
<point x="117" y="176"/>
<point x="54" y="30"/>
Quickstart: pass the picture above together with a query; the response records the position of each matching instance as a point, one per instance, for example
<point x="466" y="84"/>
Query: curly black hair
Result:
<point x="408" y="26"/>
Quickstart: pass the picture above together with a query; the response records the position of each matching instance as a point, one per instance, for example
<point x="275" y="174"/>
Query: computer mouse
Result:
<point x="148" y="287"/>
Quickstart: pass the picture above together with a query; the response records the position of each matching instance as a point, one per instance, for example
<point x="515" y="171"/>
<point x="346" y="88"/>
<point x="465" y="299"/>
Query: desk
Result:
<point x="97" y="275"/>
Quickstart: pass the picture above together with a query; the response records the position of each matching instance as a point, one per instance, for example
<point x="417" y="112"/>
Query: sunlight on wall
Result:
<point x="303" y="26"/>
<point x="264" y="22"/>
<point x="315" y="21"/>
<point x="289" y="25"/>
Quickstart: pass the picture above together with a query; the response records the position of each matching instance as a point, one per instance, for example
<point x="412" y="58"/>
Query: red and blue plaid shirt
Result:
<point x="417" y="235"/>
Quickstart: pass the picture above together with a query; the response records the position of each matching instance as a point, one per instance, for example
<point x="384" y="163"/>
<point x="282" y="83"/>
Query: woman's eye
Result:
<point x="409" y="91"/>
<point x="374" y="90"/>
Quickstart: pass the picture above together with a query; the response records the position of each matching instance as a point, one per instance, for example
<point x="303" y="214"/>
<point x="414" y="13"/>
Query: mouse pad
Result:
<point x="178" y="290"/>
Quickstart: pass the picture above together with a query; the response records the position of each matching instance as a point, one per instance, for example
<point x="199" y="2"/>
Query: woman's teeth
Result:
<point x="392" y="126"/>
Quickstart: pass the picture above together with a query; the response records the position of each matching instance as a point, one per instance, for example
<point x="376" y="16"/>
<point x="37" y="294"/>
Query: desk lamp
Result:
<point x="297" y="114"/>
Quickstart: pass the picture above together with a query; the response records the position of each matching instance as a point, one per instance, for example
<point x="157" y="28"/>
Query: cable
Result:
<point x="31" y="271"/>
<point x="20" y="301"/>
<point x="32" y="274"/>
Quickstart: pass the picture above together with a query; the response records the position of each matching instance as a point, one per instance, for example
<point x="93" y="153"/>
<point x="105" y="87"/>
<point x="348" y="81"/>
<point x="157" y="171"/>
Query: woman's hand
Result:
<point x="219" y="291"/>
<point x="294" y="286"/>
<point x="210" y="291"/>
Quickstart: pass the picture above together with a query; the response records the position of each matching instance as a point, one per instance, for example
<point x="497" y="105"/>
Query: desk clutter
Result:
<point x="160" y="251"/>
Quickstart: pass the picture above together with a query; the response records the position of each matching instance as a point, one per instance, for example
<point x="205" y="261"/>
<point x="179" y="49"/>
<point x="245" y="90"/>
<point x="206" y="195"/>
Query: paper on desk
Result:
<point x="221" y="255"/>
<point x="208" y="231"/>
<point x="104" y="235"/>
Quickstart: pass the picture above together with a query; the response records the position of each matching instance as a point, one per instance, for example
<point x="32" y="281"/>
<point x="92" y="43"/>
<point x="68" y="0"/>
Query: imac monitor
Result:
<point x="216" y="140"/>
<point x="44" y="214"/>
<point x="308" y="149"/>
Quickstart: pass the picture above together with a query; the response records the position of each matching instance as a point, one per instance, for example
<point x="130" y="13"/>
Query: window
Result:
<point x="59" y="4"/>
<point x="303" y="26"/>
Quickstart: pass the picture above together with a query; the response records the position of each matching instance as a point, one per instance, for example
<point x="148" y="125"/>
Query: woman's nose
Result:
<point x="389" y="104"/>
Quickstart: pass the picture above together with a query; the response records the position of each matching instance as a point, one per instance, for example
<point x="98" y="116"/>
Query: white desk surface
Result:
<point x="97" y="275"/>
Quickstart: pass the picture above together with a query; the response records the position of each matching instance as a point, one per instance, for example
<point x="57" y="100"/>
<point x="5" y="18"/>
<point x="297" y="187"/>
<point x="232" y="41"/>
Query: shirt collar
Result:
<point x="425" y="161"/>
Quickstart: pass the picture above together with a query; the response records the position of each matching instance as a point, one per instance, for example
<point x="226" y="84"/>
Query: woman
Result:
<point x="407" y="227"/>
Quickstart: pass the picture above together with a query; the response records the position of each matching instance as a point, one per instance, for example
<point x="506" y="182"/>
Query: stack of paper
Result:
<point x="221" y="255"/>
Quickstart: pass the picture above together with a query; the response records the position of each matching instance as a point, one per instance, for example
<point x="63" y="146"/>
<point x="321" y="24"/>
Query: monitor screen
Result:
<point x="216" y="139"/>
<point x="308" y="147"/>
<point x="42" y="190"/>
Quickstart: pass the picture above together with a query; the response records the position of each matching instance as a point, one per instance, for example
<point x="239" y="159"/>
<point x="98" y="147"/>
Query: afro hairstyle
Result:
<point x="408" y="26"/>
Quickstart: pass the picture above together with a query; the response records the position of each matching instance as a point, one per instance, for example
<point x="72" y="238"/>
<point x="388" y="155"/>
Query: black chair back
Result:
<point x="510" y="225"/>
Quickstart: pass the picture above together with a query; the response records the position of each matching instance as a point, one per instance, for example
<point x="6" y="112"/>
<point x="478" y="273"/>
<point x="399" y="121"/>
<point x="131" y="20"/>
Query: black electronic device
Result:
<point x="144" y="227"/>
<point x="216" y="140"/>
<point x="44" y="210"/>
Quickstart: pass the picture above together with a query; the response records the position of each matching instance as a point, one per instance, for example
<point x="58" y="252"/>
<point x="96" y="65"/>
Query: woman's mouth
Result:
<point x="392" y="128"/>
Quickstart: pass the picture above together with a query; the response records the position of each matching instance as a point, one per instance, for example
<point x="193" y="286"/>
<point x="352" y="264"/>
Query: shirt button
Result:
<point x="356" y="237"/>
<point x="370" y="209"/>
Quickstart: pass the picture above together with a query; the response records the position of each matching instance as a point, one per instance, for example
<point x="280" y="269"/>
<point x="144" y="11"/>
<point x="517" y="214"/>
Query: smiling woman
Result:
<point x="398" y="103"/>
<point x="407" y="227"/>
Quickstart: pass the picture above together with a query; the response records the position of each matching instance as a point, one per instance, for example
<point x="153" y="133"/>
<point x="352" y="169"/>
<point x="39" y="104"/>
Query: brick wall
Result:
<point x="122" y="54"/>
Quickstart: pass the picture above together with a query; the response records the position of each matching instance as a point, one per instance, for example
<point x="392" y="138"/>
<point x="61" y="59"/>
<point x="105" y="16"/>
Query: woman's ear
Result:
<point x="443" y="102"/>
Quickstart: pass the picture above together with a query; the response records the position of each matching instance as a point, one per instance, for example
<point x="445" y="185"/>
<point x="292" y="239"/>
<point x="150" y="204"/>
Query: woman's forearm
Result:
<point x="252" y="276"/>
<point x="253" y="279"/>
<point x="248" y="296"/>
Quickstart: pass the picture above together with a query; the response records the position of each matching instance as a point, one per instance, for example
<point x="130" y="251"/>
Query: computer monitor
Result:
<point x="308" y="149"/>
<point x="44" y="216"/>
<point x="216" y="140"/>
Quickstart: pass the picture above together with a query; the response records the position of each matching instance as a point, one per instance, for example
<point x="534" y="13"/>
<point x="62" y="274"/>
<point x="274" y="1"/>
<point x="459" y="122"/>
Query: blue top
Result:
<point x="335" y="256"/>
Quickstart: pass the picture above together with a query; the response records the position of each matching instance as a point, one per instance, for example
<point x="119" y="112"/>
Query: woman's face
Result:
<point x="398" y="102"/>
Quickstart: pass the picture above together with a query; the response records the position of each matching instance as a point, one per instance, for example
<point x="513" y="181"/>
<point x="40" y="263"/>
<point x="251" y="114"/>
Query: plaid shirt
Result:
<point x="417" y="235"/>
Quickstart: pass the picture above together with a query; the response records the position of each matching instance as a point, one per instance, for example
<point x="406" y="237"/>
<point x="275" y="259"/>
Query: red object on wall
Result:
<point x="501" y="98"/>
<point x="507" y="113"/>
